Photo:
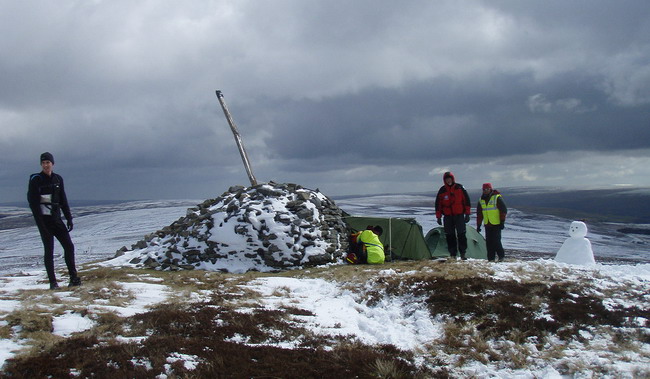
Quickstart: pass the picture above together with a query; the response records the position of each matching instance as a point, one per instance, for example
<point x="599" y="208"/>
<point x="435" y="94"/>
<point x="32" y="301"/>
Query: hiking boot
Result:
<point x="54" y="285"/>
<point x="500" y="259"/>
<point x="463" y="257"/>
<point x="74" y="282"/>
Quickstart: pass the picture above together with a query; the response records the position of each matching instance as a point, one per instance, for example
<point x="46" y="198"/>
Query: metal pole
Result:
<point x="238" y="140"/>
<point x="390" y="237"/>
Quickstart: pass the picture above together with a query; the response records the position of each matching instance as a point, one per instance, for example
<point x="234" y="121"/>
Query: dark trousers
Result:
<point x="53" y="227"/>
<point x="362" y="254"/>
<point x="455" y="232"/>
<point x="493" y="242"/>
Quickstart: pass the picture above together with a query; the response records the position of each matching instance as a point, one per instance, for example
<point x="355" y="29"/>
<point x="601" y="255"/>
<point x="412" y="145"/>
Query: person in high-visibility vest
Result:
<point x="491" y="211"/>
<point x="372" y="248"/>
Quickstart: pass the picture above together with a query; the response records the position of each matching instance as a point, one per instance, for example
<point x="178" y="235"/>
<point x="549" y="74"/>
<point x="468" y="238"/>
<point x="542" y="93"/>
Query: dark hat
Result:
<point x="47" y="157"/>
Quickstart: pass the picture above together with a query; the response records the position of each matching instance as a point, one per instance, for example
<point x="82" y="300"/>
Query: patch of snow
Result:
<point x="189" y="361"/>
<point x="146" y="295"/>
<point x="69" y="323"/>
<point x="339" y="312"/>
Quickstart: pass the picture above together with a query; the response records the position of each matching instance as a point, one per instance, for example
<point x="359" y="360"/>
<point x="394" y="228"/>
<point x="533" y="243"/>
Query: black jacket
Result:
<point x="41" y="184"/>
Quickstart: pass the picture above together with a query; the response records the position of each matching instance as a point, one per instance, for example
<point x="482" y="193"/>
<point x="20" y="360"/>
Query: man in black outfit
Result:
<point x="47" y="198"/>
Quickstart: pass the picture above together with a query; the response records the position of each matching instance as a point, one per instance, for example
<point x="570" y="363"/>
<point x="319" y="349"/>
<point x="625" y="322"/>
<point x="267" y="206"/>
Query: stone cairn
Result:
<point x="268" y="226"/>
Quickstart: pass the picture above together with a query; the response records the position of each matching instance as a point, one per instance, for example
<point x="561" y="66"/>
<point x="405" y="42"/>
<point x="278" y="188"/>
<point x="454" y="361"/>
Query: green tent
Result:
<point x="437" y="243"/>
<point x="404" y="235"/>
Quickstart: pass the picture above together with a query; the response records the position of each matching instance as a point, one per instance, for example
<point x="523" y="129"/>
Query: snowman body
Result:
<point x="577" y="248"/>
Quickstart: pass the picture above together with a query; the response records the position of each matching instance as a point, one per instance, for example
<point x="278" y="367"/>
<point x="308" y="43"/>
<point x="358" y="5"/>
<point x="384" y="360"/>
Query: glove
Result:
<point x="439" y="221"/>
<point x="478" y="228"/>
<point x="466" y="219"/>
<point x="70" y="225"/>
<point x="502" y="226"/>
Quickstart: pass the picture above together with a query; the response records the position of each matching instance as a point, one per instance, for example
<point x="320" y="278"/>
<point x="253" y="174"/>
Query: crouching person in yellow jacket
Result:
<point x="372" y="250"/>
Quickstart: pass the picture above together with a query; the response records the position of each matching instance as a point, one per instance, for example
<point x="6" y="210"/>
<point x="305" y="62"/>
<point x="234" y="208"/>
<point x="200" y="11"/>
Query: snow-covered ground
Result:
<point x="98" y="232"/>
<point x="336" y="309"/>
<point x="101" y="230"/>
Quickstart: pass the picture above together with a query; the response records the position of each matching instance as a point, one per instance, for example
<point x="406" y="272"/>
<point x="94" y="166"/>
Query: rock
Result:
<point x="270" y="226"/>
<point x="150" y="262"/>
<point x="139" y="245"/>
<point x="121" y="251"/>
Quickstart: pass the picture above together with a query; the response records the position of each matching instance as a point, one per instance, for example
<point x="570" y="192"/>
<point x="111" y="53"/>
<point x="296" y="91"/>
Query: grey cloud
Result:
<point x="444" y="118"/>
<point x="539" y="103"/>
<point x="318" y="89"/>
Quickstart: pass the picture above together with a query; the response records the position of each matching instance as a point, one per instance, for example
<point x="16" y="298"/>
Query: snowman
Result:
<point x="577" y="248"/>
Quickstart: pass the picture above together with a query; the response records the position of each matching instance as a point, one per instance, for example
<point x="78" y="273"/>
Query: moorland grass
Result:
<point x="216" y="319"/>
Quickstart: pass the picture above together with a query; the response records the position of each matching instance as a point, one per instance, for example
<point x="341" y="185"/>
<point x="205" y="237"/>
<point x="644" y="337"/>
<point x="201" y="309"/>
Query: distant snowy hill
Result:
<point x="102" y="229"/>
<point x="627" y="205"/>
<point x="630" y="205"/>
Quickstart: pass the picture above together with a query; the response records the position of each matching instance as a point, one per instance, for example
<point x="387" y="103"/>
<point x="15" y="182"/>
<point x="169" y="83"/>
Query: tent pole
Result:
<point x="390" y="237"/>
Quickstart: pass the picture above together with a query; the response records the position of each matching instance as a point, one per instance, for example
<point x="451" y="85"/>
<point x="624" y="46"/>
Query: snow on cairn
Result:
<point x="265" y="227"/>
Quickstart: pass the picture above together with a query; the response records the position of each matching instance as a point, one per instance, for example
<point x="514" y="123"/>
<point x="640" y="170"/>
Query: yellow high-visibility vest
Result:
<point x="491" y="214"/>
<point x="373" y="246"/>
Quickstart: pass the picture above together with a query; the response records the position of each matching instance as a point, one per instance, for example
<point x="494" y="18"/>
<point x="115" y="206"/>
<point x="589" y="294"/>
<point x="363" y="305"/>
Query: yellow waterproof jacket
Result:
<point x="373" y="246"/>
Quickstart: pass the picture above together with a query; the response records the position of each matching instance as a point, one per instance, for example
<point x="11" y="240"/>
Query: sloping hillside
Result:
<point x="406" y="319"/>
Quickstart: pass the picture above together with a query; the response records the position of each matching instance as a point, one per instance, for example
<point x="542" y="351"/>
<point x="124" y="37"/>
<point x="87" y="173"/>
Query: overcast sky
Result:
<point x="351" y="97"/>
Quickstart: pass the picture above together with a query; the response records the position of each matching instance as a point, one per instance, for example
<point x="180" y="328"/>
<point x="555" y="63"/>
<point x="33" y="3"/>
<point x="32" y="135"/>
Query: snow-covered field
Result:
<point x="98" y="233"/>
<point x="336" y="309"/>
<point x="101" y="230"/>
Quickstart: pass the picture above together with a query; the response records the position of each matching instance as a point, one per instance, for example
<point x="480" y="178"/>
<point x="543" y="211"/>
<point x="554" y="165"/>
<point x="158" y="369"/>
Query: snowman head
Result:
<point x="578" y="229"/>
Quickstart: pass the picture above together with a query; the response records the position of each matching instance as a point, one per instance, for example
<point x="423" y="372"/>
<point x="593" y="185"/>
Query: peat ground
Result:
<point x="533" y="318"/>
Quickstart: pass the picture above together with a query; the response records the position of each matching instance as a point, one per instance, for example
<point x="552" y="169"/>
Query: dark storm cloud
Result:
<point x="123" y="92"/>
<point x="500" y="116"/>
